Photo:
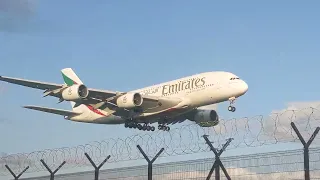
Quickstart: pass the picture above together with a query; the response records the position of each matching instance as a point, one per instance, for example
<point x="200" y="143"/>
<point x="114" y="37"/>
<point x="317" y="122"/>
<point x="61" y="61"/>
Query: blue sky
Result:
<point x="124" y="45"/>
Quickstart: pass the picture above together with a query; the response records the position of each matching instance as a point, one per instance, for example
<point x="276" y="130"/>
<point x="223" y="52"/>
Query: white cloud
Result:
<point x="260" y="130"/>
<point x="17" y="7"/>
<point x="15" y="15"/>
<point x="305" y="115"/>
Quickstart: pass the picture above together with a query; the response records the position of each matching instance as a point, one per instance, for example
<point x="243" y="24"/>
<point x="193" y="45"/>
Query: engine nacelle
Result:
<point x="75" y="93"/>
<point x="206" y="118"/>
<point x="130" y="100"/>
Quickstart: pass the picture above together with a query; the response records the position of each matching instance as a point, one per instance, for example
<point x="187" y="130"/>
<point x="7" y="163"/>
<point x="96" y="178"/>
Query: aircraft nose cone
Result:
<point x="244" y="87"/>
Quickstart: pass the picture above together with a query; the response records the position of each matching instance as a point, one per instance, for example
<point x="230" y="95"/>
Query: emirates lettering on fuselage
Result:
<point x="183" y="85"/>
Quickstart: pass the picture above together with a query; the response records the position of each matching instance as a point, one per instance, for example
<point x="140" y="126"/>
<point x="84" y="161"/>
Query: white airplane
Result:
<point x="166" y="103"/>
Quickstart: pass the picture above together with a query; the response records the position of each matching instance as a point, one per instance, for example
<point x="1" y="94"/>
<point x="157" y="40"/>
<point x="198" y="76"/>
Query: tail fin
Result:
<point x="70" y="78"/>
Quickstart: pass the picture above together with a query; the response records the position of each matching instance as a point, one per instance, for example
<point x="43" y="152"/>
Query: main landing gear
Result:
<point x="139" y="126"/>
<point x="163" y="127"/>
<point x="231" y="107"/>
<point x="145" y="127"/>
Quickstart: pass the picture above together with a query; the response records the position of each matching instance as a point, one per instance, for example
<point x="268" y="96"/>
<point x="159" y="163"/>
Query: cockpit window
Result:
<point x="233" y="78"/>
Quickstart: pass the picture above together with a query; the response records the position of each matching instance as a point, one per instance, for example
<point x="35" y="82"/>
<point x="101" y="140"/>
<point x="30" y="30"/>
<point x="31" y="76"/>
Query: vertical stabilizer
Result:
<point x="70" y="78"/>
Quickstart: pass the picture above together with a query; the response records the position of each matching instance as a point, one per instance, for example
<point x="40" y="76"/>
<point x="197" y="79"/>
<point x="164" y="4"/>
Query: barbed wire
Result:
<point x="247" y="132"/>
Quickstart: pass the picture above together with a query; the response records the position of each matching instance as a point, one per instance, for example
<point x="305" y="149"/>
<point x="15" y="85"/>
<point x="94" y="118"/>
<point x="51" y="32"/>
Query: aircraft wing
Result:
<point x="52" y="110"/>
<point x="96" y="98"/>
<point x="29" y="83"/>
<point x="99" y="94"/>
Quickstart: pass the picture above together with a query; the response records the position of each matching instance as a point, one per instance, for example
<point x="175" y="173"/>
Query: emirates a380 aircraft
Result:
<point x="166" y="103"/>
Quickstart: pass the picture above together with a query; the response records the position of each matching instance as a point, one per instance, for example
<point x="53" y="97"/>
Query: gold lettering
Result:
<point x="203" y="81"/>
<point x="196" y="82"/>
<point x="163" y="90"/>
<point x="181" y="85"/>
<point x="192" y="83"/>
<point x="188" y="85"/>
<point x="173" y="88"/>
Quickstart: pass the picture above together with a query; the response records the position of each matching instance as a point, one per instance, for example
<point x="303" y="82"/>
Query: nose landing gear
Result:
<point x="231" y="107"/>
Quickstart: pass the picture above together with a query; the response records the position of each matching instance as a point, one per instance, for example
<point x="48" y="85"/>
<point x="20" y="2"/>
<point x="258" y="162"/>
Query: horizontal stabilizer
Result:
<point x="53" y="111"/>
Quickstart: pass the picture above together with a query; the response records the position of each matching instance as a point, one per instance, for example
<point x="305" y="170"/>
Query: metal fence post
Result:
<point x="50" y="171"/>
<point x="14" y="175"/>
<point x="305" y="148"/>
<point x="96" y="169"/>
<point x="217" y="163"/>
<point x="148" y="160"/>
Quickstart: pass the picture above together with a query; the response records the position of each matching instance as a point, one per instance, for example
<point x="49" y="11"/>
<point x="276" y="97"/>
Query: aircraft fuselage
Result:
<point x="196" y="91"/>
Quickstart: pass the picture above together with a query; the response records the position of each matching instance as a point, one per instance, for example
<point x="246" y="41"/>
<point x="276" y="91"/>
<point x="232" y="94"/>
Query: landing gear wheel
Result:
<point x="135" y="125"/>
<point x="148" y="128"/>
<point x="231" y="108"/>
<point x="164" y="127"/>
<point x="144" y="128"/>
<point x="130" y="125"/>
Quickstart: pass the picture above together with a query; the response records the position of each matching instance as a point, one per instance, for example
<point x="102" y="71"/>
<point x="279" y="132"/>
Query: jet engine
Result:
<point x="130" y="100"/>
<point x="75" y="93"/>
<point x="206" y="118"/>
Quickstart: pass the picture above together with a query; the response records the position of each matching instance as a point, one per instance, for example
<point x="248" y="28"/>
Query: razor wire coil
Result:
<point x="246" y="132"/>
